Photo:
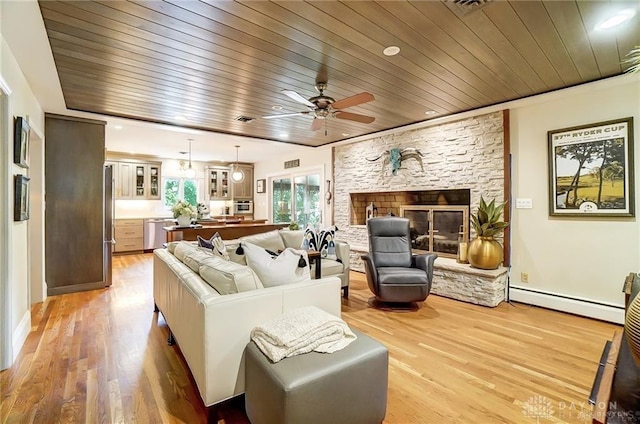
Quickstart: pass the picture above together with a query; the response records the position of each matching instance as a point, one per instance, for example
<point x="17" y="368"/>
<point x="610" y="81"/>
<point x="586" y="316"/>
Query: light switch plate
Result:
<point x="524" y="203"/>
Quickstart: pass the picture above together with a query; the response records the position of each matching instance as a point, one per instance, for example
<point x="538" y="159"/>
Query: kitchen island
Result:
<point x="226" y="231"/>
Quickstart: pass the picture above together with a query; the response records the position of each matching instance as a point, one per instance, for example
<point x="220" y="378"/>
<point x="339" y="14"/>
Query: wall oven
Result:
<point x="243" y="207"/>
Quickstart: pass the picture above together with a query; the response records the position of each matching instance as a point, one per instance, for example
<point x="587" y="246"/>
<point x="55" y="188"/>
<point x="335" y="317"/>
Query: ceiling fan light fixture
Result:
<point x="618" y="18"/>
<point x="237" y="175"/>
<point x="391" y="51"/>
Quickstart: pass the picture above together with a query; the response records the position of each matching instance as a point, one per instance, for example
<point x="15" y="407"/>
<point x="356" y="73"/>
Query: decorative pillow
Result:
<point x="309" y="240"/>
<point x="326" y="243"/>
<point x="281" y="270"/>
<point x="216" y="245"/>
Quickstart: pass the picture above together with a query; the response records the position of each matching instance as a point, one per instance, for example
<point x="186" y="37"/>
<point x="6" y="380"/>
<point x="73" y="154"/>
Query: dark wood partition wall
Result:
<point x="74" y="162"/>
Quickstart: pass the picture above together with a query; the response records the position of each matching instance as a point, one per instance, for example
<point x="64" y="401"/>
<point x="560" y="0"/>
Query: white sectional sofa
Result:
<point x="212" y="329"/>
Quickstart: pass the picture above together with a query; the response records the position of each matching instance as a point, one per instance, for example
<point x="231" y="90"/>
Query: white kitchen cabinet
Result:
<point x="128" y="234"/>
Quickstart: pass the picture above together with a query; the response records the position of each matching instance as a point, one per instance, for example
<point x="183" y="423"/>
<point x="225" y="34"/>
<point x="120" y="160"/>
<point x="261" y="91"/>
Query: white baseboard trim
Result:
<point x="564" y="304"/>
<point x="21" y="333"/>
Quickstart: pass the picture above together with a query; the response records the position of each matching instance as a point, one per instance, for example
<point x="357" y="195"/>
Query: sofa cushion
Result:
<point x="328" y="267"/>
<point x="171" y="246"/>
<point x="195" y="257"/>
<point x="283" y="269"/>
<point x="270" y="240"/>
<point x="227" y="276"/>
<point x="183" y="248"/>
<point x="292" y="238"/>
<point x="238" y="258"/>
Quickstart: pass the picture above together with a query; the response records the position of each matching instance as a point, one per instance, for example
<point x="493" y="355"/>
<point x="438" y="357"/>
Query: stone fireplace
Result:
<point x="461" y="161"/>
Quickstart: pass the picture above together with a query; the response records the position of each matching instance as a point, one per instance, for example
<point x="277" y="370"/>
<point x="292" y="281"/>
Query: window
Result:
<point x="297" y="198"/>
<point x="180" y="188"/>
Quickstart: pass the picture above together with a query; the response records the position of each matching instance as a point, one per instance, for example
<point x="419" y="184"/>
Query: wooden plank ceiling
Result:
<point x="213" y="61"/>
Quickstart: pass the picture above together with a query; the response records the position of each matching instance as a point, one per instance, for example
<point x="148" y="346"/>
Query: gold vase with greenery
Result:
<point x="485" y="251"/>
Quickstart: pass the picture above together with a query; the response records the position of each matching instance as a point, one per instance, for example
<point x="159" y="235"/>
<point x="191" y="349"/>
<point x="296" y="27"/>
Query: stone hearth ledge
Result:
<point x="458" y="281"/>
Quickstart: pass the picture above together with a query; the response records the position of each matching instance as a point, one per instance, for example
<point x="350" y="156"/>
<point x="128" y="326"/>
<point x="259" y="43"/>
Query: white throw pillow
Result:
<point x="280" y="270"/>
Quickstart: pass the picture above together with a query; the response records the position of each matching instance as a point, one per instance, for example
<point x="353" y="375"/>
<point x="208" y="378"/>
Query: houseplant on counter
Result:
<point x="183" y="212"/>
<point x="485" y="251"/>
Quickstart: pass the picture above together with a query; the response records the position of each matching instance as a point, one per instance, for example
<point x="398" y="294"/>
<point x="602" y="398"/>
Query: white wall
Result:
<point x="580" y="258"/>
<point x="22" y="102"/>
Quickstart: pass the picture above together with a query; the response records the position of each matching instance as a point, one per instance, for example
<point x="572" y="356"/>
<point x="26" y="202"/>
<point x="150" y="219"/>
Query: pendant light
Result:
<point x="190" y="172"/>
<point x="237" y="175"/>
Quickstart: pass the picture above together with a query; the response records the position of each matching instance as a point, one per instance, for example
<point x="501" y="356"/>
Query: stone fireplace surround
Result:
<point x="465" y="154"/>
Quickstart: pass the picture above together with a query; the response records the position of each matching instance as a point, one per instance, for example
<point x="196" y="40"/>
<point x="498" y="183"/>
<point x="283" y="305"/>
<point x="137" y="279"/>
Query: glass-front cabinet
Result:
<point x="138" y="180"/>
<point x="218" y="183"/>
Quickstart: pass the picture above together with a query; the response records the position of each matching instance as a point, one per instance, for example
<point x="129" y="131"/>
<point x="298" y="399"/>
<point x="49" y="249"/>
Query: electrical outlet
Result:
<point x="524" y="277"/>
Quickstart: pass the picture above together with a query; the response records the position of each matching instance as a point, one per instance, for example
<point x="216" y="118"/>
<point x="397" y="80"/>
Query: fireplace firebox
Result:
<point x="438" y="229"/>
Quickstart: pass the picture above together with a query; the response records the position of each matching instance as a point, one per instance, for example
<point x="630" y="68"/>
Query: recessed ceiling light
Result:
<point x="276" y="107"/>
<point x="117" y="127"/>
<point x="430" y="112"/>
<point x="180" y="118"/>
<point x="283" y="135"/>
<point x="618" y="18"/>
<point x="345" y="134"/>
<point x="391" y="51"/>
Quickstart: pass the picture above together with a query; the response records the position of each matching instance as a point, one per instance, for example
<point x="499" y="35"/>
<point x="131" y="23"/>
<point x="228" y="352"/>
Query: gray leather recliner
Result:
<point x="394" y="274"/>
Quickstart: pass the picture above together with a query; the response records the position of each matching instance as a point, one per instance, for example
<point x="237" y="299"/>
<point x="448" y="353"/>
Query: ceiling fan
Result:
<point x="322" y="107"/>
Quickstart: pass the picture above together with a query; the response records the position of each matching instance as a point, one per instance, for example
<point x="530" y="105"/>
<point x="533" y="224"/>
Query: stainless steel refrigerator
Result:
<point x="108" y="224"/>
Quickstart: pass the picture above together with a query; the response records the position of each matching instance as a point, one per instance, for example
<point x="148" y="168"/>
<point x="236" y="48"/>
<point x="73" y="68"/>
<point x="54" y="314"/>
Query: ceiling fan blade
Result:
<point x="353" y="101"/>
<point x="355" y="117"/>
<point x="316" y="124"/>
<point x="285" y="115"/>
<point x="297" y="97"/>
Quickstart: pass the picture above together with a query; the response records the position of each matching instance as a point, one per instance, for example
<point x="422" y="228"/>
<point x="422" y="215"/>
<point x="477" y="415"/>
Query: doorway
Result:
<point x="297" y="198"/>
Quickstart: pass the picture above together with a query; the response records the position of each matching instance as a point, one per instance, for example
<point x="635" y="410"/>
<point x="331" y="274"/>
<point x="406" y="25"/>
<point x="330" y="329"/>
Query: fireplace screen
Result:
<point x="437" y="228"/>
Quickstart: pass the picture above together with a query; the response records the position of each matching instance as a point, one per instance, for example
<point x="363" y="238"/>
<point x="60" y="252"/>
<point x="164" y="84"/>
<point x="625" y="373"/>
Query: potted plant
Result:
<point x="485" y="251"/>
<point x="183" y="212"/>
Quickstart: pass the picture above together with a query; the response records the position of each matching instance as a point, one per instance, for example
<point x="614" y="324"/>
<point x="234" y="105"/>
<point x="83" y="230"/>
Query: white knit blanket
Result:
<point x="301" y="331"/>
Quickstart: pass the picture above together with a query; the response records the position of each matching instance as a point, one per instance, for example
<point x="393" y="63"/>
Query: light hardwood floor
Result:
<point x="101" y="356"/>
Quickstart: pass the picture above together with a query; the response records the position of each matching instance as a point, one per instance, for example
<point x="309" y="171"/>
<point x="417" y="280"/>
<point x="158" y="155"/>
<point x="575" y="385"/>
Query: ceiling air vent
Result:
<point x="243" y="118"/>
<point x="464" y="7"/>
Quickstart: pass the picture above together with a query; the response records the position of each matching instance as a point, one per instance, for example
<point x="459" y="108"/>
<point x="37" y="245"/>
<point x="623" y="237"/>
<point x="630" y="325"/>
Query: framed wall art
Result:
<point x="21" y="142"/>
<point x="260" y="186"/>
<point x="21" y="198"/>
<point x="591" y="170"/>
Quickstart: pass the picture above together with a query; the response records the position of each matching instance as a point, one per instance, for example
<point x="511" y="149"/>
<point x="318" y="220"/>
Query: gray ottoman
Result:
<point x="348" y="386"/>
